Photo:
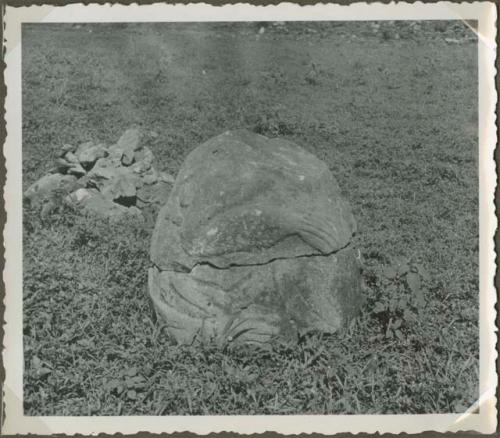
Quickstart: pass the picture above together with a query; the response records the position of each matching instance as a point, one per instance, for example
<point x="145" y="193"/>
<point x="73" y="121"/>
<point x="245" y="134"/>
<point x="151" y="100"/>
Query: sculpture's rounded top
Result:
<point x="241" y="198"/>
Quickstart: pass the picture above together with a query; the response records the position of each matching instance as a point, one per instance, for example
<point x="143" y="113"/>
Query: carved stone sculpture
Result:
<point x="253" y="244"/>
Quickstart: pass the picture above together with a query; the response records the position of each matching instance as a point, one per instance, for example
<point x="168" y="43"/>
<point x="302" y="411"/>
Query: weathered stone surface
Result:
<point x="104" y="169"/>
<point x="121" y="188"/>
<point x="93" y="203"/>
<point x="257" y="303"/>
<point x="253" y="243"/>
<point x="70" y="157"/>
<point x="83" y="147"/>
<point x="62" y="166"/>
<point x="128" y="143"/>
<point x="48" y="185"/>
<point x="77" y="170"/>
<point x="81" y="195"/>
<point x="98" y="205"/>
<point x="89" y="156"/>
<point x="241" y="198"/>
<point x="166" y="177"/>
<point x="114" y="182"/>
<point x="127" y="158"/>
<point x="153" y="194"/>
<point x="150" y="177"/>
<point x="74" y="166"/>
<point x="145" y="158"/>
<point x="143" y="161"/>
<point x="130" y="140"/>
<point x="115" y="156"/>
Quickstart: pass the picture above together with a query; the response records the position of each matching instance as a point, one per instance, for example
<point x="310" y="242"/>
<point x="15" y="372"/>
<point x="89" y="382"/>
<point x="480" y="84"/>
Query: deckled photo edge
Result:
<point x="16" y="422"/>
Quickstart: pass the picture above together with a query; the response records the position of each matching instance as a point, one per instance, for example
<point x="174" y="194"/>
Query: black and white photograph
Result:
<point x="252" y="218"/>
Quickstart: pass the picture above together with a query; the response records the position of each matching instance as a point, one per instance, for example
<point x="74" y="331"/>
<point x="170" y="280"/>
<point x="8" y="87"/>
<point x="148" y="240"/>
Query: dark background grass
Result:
<point x="392" y="109"/>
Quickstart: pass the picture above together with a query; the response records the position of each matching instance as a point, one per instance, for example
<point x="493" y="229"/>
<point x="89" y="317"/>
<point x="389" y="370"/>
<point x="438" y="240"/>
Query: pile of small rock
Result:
<point x="106" y="181"/>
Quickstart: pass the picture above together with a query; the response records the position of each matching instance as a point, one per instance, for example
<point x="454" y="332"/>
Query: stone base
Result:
<point x="258" y="303"/>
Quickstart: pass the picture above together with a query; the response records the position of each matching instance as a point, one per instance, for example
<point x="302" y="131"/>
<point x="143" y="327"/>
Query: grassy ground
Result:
<point x="393" y="111"/>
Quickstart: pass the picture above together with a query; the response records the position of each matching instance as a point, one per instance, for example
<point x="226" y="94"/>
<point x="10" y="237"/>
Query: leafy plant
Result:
<point x="403" y="287"/>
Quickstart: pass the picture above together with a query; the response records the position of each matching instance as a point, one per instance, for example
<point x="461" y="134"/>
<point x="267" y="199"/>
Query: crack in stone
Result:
<point x="187" y="270"/>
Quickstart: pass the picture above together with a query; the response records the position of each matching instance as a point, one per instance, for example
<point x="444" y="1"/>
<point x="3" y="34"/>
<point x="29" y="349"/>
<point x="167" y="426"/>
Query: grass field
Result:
<point x="393" y="112"/>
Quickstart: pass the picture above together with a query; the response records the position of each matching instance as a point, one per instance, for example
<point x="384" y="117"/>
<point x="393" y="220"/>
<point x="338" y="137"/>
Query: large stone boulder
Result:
<point x="253" y="244"/>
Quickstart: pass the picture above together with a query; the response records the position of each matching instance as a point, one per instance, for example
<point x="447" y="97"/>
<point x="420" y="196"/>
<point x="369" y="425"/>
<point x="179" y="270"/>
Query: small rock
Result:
<point x="93" y="203"/>
<point x="71" y="163"/>
<point x="122" y="188"/>
<point x="65" y="149"/>
<point x="129" y="140"/>
<point x="127" y="158"/>
<point x="98" y="205"/>
<point x="80" y="195"/>
<point x="139" y="167"/>
<point x="166" y="177"/>
<point x="83" y="147"/>
<point x="148" y="157"/>
<point x="138" y="182"/>
<point x="70" y="157"/>
<point x="89" y="156"/>
<point x="151" y="177"/>
<point x="144" y="155"/>
<point x="103" y="170"/>
<point x="155" y="194"/>
<point x="143" y="160"/>
<point x="115" y="155"/>
<point x="84" y="182"/>
<point x="128" y="144"/>
<point x="77" y="170"/>
<point x="62" y="165"/>
<point x="134" y="211"/>
<point x="48" y="185"/>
